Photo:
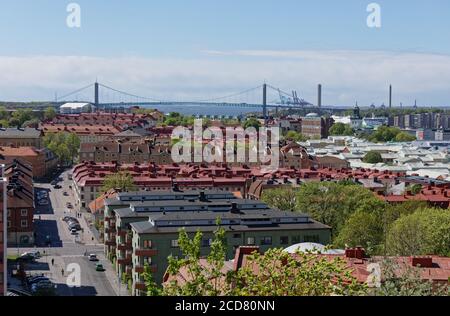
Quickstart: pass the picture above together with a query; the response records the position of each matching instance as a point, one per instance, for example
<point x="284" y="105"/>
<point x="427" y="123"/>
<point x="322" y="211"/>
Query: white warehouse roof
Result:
<point x="74" y="106"/>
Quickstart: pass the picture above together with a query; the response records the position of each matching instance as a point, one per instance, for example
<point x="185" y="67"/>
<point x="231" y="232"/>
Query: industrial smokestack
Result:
<point x="390" y="96"/>
<point x="319" y="96"/>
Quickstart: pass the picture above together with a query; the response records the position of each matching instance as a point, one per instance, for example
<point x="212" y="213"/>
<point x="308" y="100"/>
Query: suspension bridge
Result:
<point x="263" y="97"/>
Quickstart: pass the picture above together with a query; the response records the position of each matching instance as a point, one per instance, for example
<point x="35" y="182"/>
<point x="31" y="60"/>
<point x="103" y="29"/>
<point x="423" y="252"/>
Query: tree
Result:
<point x="341" y="129"/>
<point x="373" y="157"/>
<point x="385" y="134"/>
<point x="279" y="273"/>
<point x="252" y="122"/>
<point x="404" y="280"/>
<point x="361" y="229"/>
<point x="295" y="136"/>
<point x="49" y="113"/>
<point x="73" y="143"/>
<point x="64" y="145"/>
<point x="404" y="137"/>
<point x="20" y="116"/>
<point x="424" y="232"/>
<point x="284" y="199"/>
<point x="122" y="181"/>
<point x="202" y="280"/>
<point x="333" y="203"/>
<point x="4" y="115"/>
<point x="152" y="288"/>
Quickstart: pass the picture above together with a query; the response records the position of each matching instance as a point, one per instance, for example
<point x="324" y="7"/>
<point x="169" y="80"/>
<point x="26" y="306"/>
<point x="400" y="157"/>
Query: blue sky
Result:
<point x="176" y="39"/>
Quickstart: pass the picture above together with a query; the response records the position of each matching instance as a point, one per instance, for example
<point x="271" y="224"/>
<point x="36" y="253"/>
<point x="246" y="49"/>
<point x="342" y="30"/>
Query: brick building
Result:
<point x="20" y="199"/>
<point x="18" y="137"/>
<point x="314" y="126"/>
<point x="42" y="161"/>
<point x="3" y="234"/>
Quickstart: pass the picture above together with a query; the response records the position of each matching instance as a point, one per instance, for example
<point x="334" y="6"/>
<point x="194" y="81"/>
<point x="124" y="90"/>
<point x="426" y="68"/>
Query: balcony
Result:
<point x="124" y="261"/>
<point x="110" y="230"/>
<point x="123" y="247"/>
<point x="140" y="269"/>
<point x="146" y="252"/>
<point x="121" y="233"/>
<point x="110" y="243"/>
<point x="140" y="286"/>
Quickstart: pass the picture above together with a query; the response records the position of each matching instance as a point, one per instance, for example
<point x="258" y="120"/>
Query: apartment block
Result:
<point x="245" y="222"/>
<point x="3" y="234"/>
<point x="314" y="126"/>
<point x="20" y="199"/>
<point x="18" y="137"/>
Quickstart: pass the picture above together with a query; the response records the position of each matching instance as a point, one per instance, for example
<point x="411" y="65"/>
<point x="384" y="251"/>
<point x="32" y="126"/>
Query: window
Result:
<point x="284" y="240"/>
<point x="148" y="260"/>
<point x="174" y="243"/>
<point x="147" y="244"/>
<point x="296" y="239"/>
<point x="206" y="242"/>
<point x="24" y="223"/>
<point x="24" y="212"/>
<point x="251" y="241"/>
<point x="266" y="241"/>
<point x="312" y="238"/>
<point x="9" y="224"/>
<point x="237" y="236"/>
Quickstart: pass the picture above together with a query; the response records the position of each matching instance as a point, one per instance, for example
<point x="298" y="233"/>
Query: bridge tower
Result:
<point x="265" y="104"/>
<point x="96" y="97"/>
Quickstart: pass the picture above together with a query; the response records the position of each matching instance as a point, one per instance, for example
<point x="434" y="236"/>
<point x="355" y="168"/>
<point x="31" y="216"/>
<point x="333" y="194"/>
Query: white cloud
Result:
<point x="347" y="76"/>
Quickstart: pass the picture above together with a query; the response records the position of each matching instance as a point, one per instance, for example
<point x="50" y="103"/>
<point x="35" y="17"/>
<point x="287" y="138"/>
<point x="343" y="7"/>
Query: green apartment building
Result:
<point x="146" y="229"/>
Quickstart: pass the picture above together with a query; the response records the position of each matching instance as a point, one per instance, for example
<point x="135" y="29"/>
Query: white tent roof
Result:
<point x="313" y="247"/>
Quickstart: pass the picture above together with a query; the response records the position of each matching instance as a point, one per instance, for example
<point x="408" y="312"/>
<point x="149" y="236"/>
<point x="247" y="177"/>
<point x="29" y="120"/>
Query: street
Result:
<point x="55" y="241"/>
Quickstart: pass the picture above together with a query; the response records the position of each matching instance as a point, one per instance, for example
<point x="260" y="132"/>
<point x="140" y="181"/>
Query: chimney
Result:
<point x="355" y="253"/>
<point x="390" y="96"/>
<point x="241" y="253"/>
<point x="235" y="209"/>
<point x="422" y="262"/>
<point x="319" y="96"/>
<point x="203" y="197"/>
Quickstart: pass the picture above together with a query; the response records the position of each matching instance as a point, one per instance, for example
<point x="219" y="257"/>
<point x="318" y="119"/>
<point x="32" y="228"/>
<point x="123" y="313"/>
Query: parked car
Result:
<point x="43" y="202"/>
<point x="99" y="267"/>
<point x="77" y="227"/>
<point x="42" y="194"/>
<point x="65" y="193"/>
<point x="38" y="280"/>
<point x="69" y="206"/>
<point x="35" y="253"/>
<point x="74" y="232"/>
<point x="93" y="257"/>
<point x="57" y="187"/>
<point x="27" y="257"/>
<point x="41" y="286"/>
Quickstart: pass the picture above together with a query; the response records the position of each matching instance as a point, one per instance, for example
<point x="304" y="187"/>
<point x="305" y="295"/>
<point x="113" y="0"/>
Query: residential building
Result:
<point x="42" y="161"/>
<point x="88" y="178"/>
<point x="245" y="222"/>
<point x="3" y="234"/>
<point x="86" y="133"/>
<point x="20" y="201"/>
<point x="314" y="126"/>
<point x="17" y="137"/>
<point x="429" y="268"/>
<point x="123" y="120"/>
